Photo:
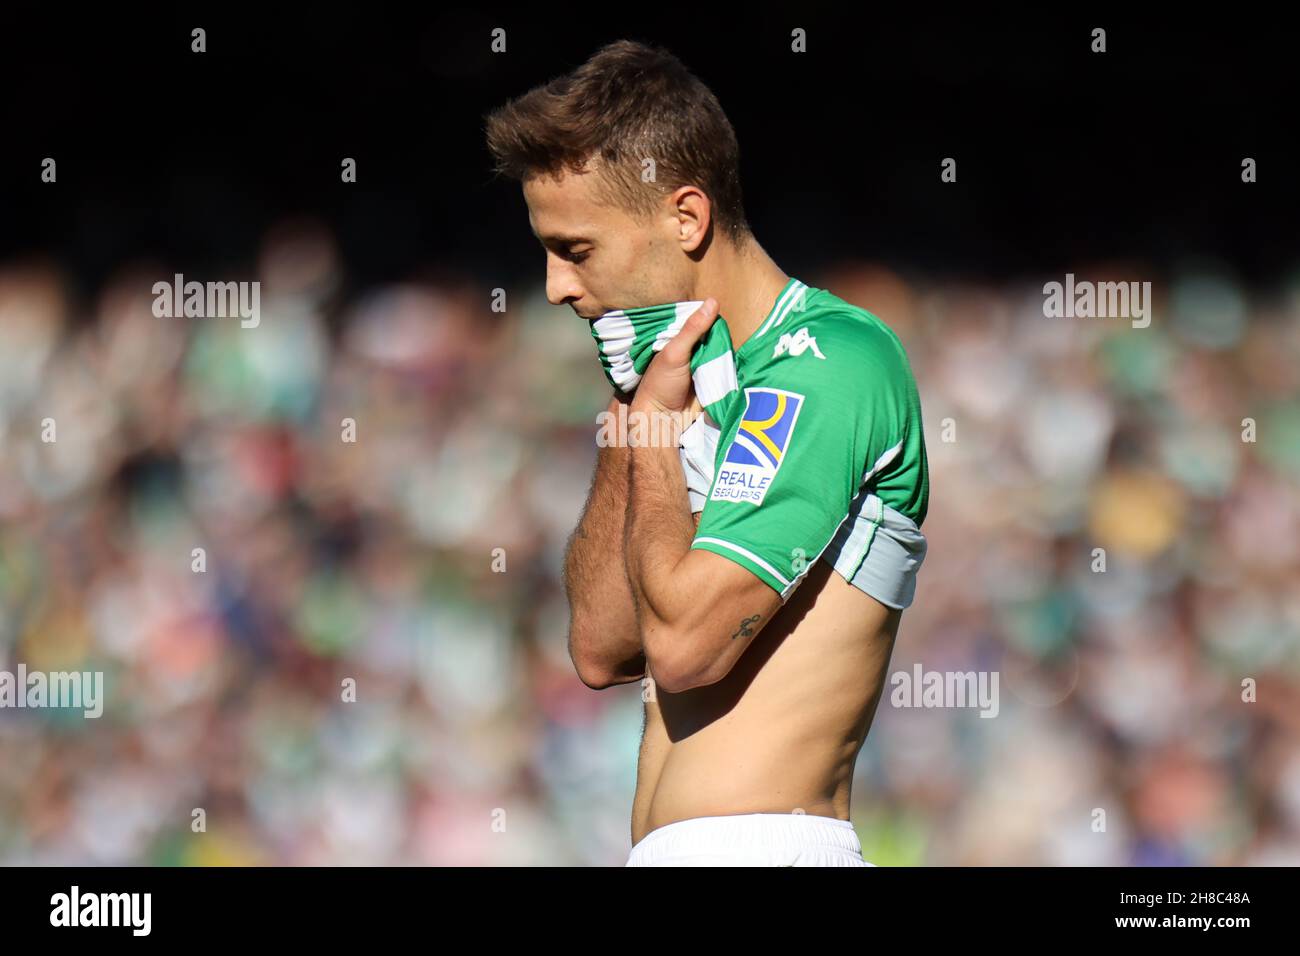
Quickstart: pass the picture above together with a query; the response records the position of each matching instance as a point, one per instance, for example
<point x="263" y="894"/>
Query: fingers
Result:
<point x="693" y="411"/>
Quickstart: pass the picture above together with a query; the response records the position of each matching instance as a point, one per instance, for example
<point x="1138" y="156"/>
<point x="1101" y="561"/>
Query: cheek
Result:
<point x="644" y="263"/>
<point x="622" y="267"/>
<point x="623" y="259"/>
<point x="637" y="271"/>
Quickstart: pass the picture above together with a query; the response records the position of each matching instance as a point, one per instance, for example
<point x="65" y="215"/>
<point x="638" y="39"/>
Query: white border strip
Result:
<point x="749" y="554"/>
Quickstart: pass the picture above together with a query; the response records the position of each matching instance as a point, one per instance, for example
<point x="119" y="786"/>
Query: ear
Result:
<point x="694" y="214"/>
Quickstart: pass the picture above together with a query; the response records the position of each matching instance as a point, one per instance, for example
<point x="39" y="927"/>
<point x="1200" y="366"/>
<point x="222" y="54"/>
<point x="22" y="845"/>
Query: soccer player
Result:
<point x="752" y="571"/>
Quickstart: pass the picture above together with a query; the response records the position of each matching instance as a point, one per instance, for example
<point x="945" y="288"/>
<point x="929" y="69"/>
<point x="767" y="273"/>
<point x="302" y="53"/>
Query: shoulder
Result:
<point x="830" y="338"/>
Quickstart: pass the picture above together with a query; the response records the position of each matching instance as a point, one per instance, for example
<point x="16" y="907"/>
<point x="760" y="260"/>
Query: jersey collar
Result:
<point x="792" y="297"/>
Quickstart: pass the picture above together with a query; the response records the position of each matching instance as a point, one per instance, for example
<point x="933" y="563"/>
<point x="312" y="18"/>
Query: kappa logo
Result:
<point x="759" y="446"/>
<point x="797" y="344"/>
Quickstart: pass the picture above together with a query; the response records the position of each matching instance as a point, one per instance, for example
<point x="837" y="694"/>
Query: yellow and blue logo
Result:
<point x="759" y="446"/>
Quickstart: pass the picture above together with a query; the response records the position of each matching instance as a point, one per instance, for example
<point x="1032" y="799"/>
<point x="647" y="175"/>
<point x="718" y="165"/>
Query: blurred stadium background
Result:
<point x="373" y="560"/>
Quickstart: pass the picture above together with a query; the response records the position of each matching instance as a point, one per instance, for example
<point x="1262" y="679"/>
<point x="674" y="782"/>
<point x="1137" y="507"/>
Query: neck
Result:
<point x="746" y="283"/>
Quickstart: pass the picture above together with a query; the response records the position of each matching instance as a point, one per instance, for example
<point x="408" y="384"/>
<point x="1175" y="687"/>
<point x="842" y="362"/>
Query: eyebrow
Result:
<point x="556" y="239"/>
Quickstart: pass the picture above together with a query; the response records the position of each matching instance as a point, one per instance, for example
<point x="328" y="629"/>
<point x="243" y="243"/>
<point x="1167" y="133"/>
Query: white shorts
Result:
<point x="751" y="839"/>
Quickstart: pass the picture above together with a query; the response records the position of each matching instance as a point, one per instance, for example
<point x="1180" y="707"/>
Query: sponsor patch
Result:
<point x="759" y="446"/>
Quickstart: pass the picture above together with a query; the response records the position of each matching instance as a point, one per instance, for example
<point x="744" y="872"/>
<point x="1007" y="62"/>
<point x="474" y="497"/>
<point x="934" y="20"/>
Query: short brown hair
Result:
<point x="628" y="102"/>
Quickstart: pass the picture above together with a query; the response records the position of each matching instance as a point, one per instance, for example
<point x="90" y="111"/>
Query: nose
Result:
<point x="562" y="286"/>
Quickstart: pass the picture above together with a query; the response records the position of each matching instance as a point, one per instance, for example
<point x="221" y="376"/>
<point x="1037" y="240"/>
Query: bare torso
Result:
<point x="782" y="731"/>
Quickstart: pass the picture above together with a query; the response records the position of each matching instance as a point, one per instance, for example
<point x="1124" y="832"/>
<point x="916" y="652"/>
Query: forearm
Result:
<point x="688" y="601"/>
<point x="658" y="534"/>
<point x="697" y="612"/>
<point x="604" y="642"/>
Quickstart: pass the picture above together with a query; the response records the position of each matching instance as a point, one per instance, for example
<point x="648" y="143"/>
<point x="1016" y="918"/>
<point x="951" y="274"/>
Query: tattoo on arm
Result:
<point x="744" y="626"/>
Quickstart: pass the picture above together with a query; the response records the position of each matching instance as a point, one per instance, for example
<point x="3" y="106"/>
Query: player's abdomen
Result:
<point x="781" y="732"/>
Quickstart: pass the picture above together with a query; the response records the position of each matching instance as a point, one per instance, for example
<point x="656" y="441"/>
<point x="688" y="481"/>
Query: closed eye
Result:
<point x="564" y="248"/>
<point x="568" y="253"/>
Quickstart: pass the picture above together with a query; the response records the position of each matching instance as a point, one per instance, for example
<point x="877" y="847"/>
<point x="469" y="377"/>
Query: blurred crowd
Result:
<point x="205" y="531"/>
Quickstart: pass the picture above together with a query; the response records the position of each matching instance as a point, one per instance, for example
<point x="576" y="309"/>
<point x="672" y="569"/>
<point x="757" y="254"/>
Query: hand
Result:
<point x="693" y="410"/>
<point x="666" y="385"/>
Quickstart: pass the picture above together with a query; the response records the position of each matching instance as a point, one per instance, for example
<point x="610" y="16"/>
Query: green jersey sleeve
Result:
<point x="823" y="411"/>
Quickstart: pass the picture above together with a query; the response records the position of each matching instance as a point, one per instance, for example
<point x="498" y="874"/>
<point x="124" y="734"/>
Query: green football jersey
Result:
<point x="819" y="448"/>
<point x="810" y="445"/>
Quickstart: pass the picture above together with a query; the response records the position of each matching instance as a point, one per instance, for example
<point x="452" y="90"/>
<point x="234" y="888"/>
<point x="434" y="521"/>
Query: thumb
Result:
<point x="700" y="321"/>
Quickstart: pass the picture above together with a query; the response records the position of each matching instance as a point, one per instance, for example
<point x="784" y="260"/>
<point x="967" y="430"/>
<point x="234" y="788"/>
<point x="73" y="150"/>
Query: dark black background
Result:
<point x="1064" y="157"/>
<point x="313" y="908"/>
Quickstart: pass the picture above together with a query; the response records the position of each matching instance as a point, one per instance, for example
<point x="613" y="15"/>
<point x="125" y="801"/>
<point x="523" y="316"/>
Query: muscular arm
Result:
<point x="604" y="642"/>
<point x="698" y="612"/>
